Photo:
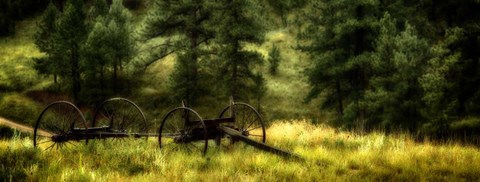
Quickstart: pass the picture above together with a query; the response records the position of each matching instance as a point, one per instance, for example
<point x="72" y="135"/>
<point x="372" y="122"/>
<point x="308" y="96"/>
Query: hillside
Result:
<point x="18" y="75"/>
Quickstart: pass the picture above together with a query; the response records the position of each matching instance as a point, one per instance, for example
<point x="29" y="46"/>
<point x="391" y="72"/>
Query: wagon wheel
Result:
<point x="247" y="120"/>
<point x="60" y="125"/>
<point x="183" y="128"/>
<point x="120" y="115"/>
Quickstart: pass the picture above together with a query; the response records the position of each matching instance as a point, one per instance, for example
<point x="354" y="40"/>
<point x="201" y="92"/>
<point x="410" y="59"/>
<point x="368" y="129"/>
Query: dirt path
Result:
<point x="22" y="128"/>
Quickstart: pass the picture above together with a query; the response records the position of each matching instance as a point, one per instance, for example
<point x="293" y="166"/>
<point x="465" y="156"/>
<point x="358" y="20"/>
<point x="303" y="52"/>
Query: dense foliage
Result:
<point x="87" y="53"/>
<point x="390" y="65"/>
<point x="187" y="28"/>
<point x="395" y="64"/>
<point x="14" y="10"/>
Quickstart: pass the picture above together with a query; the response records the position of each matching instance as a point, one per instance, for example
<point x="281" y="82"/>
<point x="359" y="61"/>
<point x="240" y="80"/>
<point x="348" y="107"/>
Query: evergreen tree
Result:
<point x="451" y="80"/>
<point x="99" y="8"/>
<point x="235" y="27"/>
<point x="183" y="22"/>
<point x="97" y="58"/>
<point x="44" y="40"/>
<point x="274" y="59"/>
<point x="394" y="97"/>
<point x="107" y="50"/>
<point x="71" y="33"/>
<point x="283" y="7"/>
<point x="440" y="90"/>
<point x="121" y="41"/>
<point x="340" y="34"/>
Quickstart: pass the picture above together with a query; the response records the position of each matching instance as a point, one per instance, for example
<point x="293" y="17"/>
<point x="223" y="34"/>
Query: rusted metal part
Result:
<point x="187" y="127"/>
<point x="262" y="146"/>
<point x="50" y="121"/>
<point x="120" y="114"/>
<point x="182" y="126"/>
<point x="65" y="123"/>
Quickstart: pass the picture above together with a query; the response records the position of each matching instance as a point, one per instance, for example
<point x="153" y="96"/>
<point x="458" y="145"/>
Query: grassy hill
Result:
<point x="284" y="97"/>
<point x="330" y="156"/>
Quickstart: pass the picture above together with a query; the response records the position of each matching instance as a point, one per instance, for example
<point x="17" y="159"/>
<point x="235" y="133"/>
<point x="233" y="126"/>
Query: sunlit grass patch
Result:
<point x="330" y="155"/>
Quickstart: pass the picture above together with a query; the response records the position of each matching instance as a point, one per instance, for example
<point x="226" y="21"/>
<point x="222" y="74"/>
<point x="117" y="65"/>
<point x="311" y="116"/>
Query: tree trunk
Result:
<point x="339" y="98"/>
<point x="115" y="73"/>
<point x="234" y="84"/>
<point x="75" y="74"/>
<point x="193" y="71"/>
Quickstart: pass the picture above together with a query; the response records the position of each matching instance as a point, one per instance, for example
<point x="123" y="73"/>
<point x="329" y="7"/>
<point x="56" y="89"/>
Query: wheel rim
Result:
<point x="248" y="121"/>
<point x="176" y="133"/>
<point x="54" y="126"/>
<point x="120" y="114"/>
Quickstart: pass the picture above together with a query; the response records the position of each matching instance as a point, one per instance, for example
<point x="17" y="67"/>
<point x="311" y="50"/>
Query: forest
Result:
<point x="359" y="68"/>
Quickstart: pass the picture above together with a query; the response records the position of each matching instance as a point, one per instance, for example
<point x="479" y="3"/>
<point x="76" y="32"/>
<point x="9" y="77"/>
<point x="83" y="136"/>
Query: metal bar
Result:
<point x="219" y="120"/>
<point x="100" y="134"/>
<point x="100" y="128"/>
<point x="262" y="146"/>
<point x="213" y="122"/>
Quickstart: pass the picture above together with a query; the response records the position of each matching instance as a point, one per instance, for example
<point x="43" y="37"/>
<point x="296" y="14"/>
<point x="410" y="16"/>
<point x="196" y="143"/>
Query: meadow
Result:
<point x="330" y="155"/>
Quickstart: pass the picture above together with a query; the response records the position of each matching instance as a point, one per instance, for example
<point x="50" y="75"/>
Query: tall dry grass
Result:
<point x="330" y="155"/>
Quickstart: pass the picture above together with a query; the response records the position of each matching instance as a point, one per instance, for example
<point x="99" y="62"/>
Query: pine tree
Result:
<point x="44" y="40"/>
<point x="70" y="36"/>
<point x="451" y="80"/>
<point x="236" y="25"/>
<point x="107" y="51"/>
<point x="340" y="35"/>
<point x="283" y="7"/>
<point x="183" y="22"/>
<point x="394" y="98"/>
<point x="99" y="8"/>
<point x="121" y="42"/>
<point x="97" y="58"/>
<point x="440" y="90"/>
<point x="274" y="59"/>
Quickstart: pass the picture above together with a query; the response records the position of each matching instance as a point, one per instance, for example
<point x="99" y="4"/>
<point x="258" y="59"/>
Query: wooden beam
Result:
<point x="262" y="146"/>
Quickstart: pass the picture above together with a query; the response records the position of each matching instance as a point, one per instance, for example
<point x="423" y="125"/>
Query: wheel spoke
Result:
<point x="50" y="147"/>
<point x="185" y="123"/>
<point x="38" y="143"/>
<point x="253" y="122"/>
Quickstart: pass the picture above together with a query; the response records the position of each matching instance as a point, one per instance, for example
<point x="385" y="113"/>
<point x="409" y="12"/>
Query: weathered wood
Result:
<point x="262" y="146"/>
<point x="79" y="135"/>
<point x="217" y="121"/>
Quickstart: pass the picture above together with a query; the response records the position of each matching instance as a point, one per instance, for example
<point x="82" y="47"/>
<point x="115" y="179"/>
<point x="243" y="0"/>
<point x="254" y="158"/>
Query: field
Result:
<point x="330" y="155"/>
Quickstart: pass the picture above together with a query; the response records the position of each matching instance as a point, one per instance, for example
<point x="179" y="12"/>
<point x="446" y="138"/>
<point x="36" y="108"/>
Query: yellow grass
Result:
<point x="330" y="155"/>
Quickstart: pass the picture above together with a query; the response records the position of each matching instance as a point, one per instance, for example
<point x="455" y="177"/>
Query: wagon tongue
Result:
<point x="262" y="146"/>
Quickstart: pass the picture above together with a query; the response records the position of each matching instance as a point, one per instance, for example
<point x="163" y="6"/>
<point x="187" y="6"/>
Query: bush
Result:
<point x="19" y="109"/>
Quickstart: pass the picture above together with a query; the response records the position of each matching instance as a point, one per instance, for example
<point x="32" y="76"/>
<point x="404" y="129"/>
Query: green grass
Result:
<point x="330" y="156"/>
<point x="19" y="108"/>
<point x="16" y="58"/>
<point x="287" y="90"/>
<point x="281" y="101"/>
